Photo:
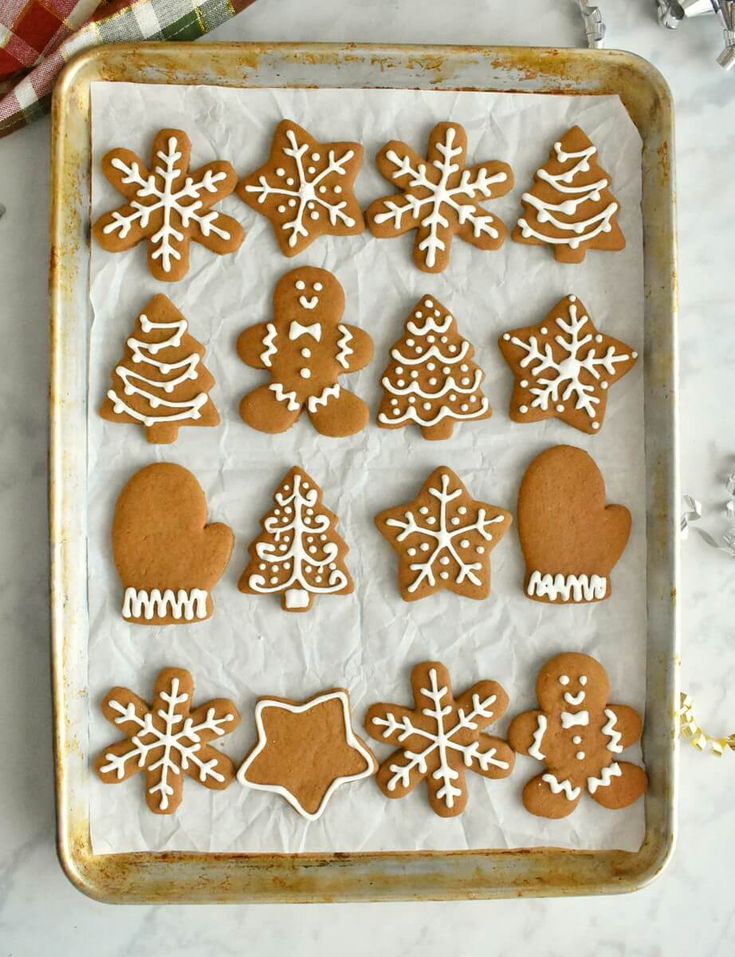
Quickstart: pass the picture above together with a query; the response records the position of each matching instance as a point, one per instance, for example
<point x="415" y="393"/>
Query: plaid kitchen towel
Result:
<point x="37" y="38"/>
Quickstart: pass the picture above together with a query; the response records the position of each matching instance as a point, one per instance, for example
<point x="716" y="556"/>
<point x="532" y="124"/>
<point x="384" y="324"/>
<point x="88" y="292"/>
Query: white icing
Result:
<point x="270" y="347"/>
<point x="565" y="587"/>
<point x="610" y="732"/>
<point x="574" y="699"/>
<point x="293" y="403"/>
<point x="296" y="330"/>
<point x="434" y="352"/>
<point x="538" y="736"/>
<point x="561" y="787"/>
<point x="327" y="393"/>
<point x="606" y="775"/>
<point x="564" y="680"/>
<point x="189" y="605"/>
<point x="309" y="304"/>
<point x="571" y="719"/>
<point x="343" y="345"/>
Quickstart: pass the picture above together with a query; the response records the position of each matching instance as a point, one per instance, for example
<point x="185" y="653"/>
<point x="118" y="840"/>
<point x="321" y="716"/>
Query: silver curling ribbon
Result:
<point x="594" y="25"/>
<point x="727" y="15"/>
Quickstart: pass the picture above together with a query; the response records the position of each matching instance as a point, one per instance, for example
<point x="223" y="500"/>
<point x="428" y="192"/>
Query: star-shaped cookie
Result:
<point x="306" y="750"/>
<point x="564" y="367"/>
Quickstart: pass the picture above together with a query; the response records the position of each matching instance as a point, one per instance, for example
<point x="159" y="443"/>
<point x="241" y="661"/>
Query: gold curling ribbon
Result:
<point x="696" y="735"/>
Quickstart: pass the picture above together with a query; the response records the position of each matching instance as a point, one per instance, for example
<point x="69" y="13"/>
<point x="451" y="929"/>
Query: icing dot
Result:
<point x="396" y="411"/>
<point x="595" y="426"/>
<point x="544" y="331"/>
<point x="411" y="552"/>
<point x="465" y="543"/>
<point x="603" y="385"/>
<point x="523" y="409"/>
<point x="464" y="407"/>
<point x="281" y="209"/>
<point x="400" y="383"/>
<point x="280" y="171"/>
<point x="290" y="181"/>
<point x="314" y="215"/>
<point x="466" y="380"/>
<point x="419" y="314"/>
<point x="452" y="348"/>
<point x="292" y="203"/>
<point x="306" y="353"/>
<point x="634" y="355"/>
<point x="480" y="549"/>
<point x="446" y="370"/>
<point x="322" y="538"/>
<point x="444" y="575"/>
<point x="282" y="548"/>
<point x="399" y="370"/>
<point x="414" y="374"/>
<point x="287" y="566"/>
<point x="462" y="509"/>
<point x="429" y="303"/>
<point x="580" y="755"/>
<point x="394" y="401"/>
<point x="431" y="366"/>
<point x="598" y="338"/>
<point x="412" y="400"/>
<point x="464" y="367"/>
<point x="433" y="380"/>
<point x="338" y="189"/>
<point x="444" y="339"/>
<point x="452" y="397"/>
<point x="444" y="560"/>
<point x="307" y="568"/>
<point x="262" y="566"/>
<point x="410" y="342"/>
<point x="573" y="299"/>
<point x="310" y="206"/>
<point x="333" y="566"/>
<point x="305" y="373"/>
<point x="431" y="338"/>
<point x="317" y="287"/>
<point x="311" y="169"/>
<point x="506" y="336"/>
<point x="564" y="680"/>
<point x="437" y="312"/>
<point x="560" y="408"/>
<point x="322" y="189"/>
<point x="317" y="579"/>
<point x="419" y="350"/>
<point x="455" y="520"/>
<point x="315" y="157"/>
<point x="427" y="406"/>
<point x="274" y="579"/>
<point x="523" y="383"/>
<point x="312" y="549"/>
<point x="424" y="510"/>
<point x="424" y="546"/>
<point x="583" y="680"/>
<point x="431" y="520"/>
<point x="473" y="398"/>
<point x="576" y="739"/>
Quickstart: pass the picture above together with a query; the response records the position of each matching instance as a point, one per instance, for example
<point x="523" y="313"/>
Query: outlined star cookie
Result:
<point x="306" y="750"/>
<point x="564" y="368"/>
<point x="444" y="538"/>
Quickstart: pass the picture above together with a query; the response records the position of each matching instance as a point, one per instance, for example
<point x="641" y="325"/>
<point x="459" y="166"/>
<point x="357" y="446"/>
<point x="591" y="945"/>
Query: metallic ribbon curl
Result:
<point x="696" y="735"/>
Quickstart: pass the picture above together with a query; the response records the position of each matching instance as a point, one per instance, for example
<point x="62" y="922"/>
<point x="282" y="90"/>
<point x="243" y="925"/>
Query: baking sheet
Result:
<point x="366" y="642"/>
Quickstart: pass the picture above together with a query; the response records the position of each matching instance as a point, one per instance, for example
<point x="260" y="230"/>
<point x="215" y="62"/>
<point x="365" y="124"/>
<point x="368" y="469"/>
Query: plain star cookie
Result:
<point x="440" y="197"/>
<point x="168" y="206"/>
<point x="570" y="537"/>
<point x="167" y="739"/>
<point x="440" y="739"/>
<point x="564" y="368"/>
<point x="306" y="750"/>
<point x="578" y="736"/>
<point x="444" y="539"/>
<point x="306" y="189"/>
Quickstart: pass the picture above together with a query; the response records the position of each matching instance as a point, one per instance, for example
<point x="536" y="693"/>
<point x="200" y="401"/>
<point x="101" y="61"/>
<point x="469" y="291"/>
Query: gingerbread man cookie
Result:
<point x="306" y="348"/>
<point x="578" y="735"/>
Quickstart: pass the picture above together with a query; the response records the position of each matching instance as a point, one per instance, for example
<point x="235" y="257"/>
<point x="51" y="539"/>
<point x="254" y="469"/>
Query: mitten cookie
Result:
<point x="306" y="348"/>
<point x="161" y="381"/>
<point x="570" y="206"/>
<point x="299" y="554"/>
<point x="564" y="368"/>
<point x="168" y="558"/>
<point x="441" y="738"/>
<point x="578" y="736"/>
<point x="444" y="538"/>
<point x="168" y="206"/>
<point x="306" y="750"/>
<point x="570" y="539"/>
<point x="306" y="188"/>
<point x="440" y="197"/>
<point x="167" y="739"/>
<point x="431" y="379"/>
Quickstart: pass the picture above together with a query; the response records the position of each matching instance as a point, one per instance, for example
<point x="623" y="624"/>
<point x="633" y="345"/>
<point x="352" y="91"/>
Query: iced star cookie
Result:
<point x="439" y="197"/>
<point x="305" y="348"/>
<point x="578" y="736"/>
<point x="306" y="189"/>
<point x="444" y="539"/>
<point x="168" y="205"/>
<point x="564" y="367"/>
<point x="306" y="750"/>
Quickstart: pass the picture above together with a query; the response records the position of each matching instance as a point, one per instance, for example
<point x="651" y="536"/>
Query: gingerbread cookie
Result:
<point x="431" y="379"/>
<point x="570" y="206"/>
<point x="444" y="539"/>
<point x="169" y="206"/>
<point x="299" y="554"/>
<point x="168" y="558"/>
<point x="564" y="368"/>
<point x="161" y="381"/>
<point x="306" y="188"/>
<point x="578" y="736"/>
<point x="441" y="738"/>
<point x="306" y="750"/>
<point x="306" y="348"/>
<point x="167" y="739"/>
<point x="440" y="197"/>
<point x="570" y="538"/>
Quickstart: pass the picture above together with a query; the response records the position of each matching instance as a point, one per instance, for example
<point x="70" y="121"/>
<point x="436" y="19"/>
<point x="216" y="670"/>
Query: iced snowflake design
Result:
<point x="167" y="739"/>
<point x="444" y="538"/>
<point x="168" y="206"/>
<point x="440" y="197"/>
<point x="305" y="188"/>
<point x="564" y="367"/>
<point x="440" y="739"/>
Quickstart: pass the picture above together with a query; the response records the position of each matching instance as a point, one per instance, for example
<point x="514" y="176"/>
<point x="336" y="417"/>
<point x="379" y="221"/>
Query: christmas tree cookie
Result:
<point x="431" y="379"/>
<point x="161" y="381"/>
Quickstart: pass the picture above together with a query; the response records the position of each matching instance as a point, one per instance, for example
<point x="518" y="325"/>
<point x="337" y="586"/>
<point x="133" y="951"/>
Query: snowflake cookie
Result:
<point x="431" y="379"/>
<point x="570" y="206"/>
<point x="570" y="537"/>
<point x="440" y="197"/>
<point x="444" y="538"/>
<point x="564" y="368"/>
<point x="306" y="188"/>
<point x="305" y="348"/>
<point x="441" y="738"/>
<point x="168" y="206"/>
<point x="578" y="736"/>
<point x="167" y="739"/>
<point x="306" y="750"/>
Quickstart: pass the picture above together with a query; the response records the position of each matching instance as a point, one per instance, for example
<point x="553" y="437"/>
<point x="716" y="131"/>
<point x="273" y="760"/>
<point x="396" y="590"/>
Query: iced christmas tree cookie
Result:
<point x="570" y="206"/>
<point x="306" y="188"/>
<point x="306" y="348"/>
<point x="167" y="739"/>
<point x="578" y="736"/>
<point x="168" y="205"/>
<point x="441" y="738"/>
<point x="306" y="750"/>
<point x="570" y="538"/>
<point x="168" y="558"/>
<point x="439" y="197"/>
<point x="431" y="379"/>
<point x="299" y="553"/>
<point x="161" y="381"/>
<point x="444" y="539"/>
<point x="564" y="368"/>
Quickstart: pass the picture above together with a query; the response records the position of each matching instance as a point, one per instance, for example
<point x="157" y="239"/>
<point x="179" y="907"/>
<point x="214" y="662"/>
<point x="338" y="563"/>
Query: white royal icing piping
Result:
<point x="563" y="587"/>
<point x="296" y="330"/>
<point x="574" y="699"/>
<point x="270" y="347"/>
<point x="189" y="605"/>
<point x="561" y="787"/>
<point x="289" y="398"/>
<point x="327" y="393"/>
<point x="571" y="719"/>
<point x="610" y="732"/>
<point x="606" y="774"/>
<point x="538" y="737"/>
<point x="344" y="348"/>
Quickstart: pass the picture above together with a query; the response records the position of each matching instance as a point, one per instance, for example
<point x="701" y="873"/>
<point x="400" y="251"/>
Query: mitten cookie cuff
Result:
<point x="556" y="587"/>
<point x="144" y="606"/>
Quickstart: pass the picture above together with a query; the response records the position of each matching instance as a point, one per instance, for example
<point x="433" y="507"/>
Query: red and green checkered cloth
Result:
<point x="37" y="37"/>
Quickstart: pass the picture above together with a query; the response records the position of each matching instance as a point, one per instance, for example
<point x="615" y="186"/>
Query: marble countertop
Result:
<point x="687" y="910"/>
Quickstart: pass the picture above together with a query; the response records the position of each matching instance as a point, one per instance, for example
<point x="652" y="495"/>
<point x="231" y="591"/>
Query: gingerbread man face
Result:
<point x="564" y="689"/>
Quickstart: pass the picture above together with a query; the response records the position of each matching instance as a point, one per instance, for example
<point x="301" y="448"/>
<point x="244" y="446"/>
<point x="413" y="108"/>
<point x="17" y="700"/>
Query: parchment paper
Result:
<point x="366" y="642"/>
